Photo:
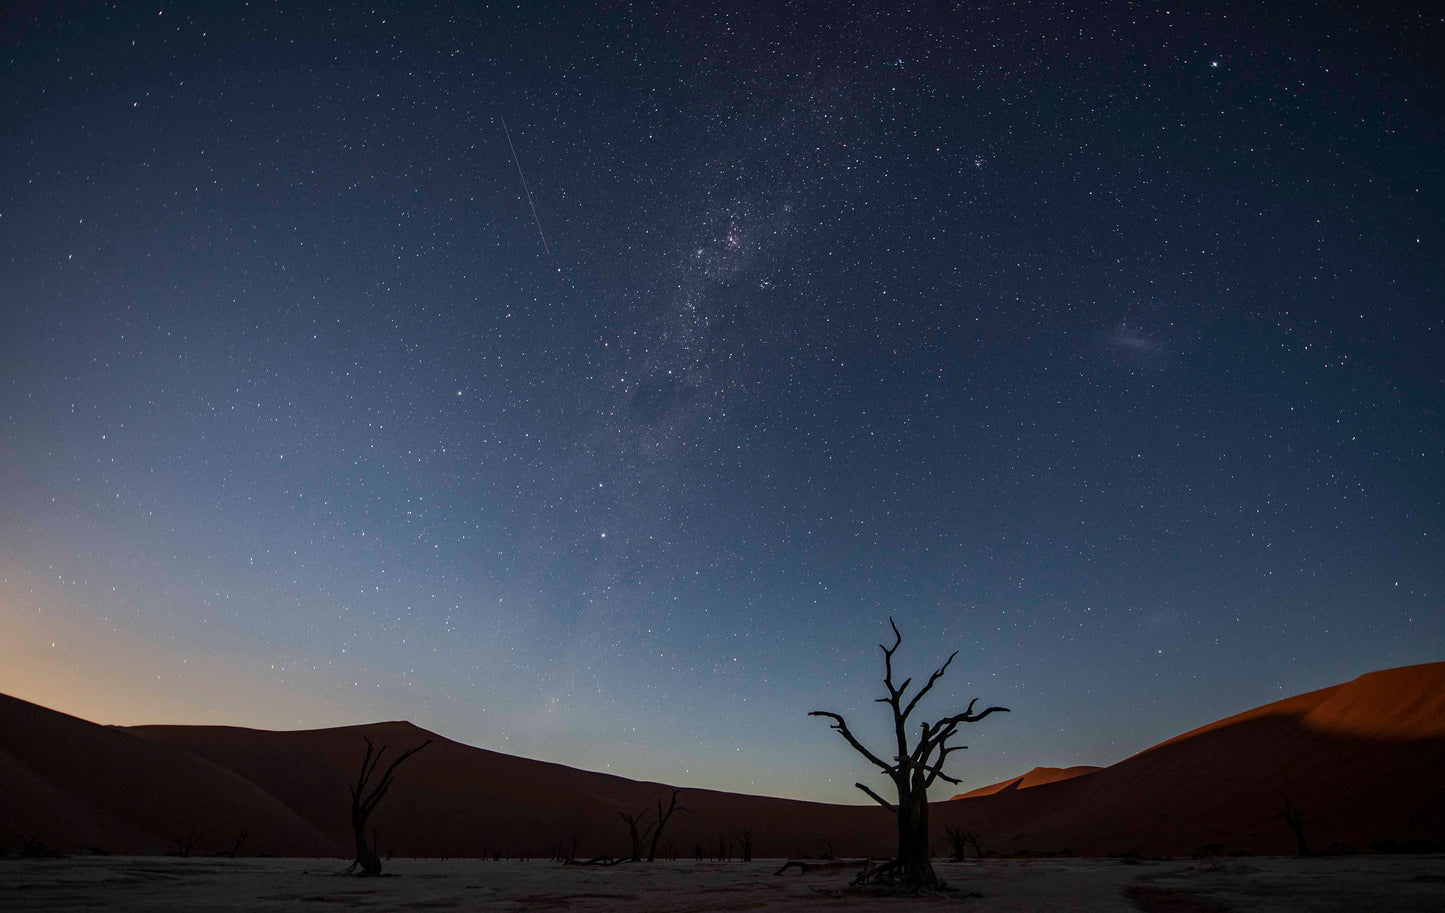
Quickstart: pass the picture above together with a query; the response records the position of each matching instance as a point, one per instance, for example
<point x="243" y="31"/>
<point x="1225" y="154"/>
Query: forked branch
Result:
<point x="841" y="725"/>
<point x="662" y="818"/>
<point x="368" y="767"/>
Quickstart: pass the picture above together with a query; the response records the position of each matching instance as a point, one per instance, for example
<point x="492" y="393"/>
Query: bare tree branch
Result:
<point x="842" y="726"/>
<point x="936" y="771"/>
<point x="369" y="804"/>
<point x="893" y="693"/>
<point x="877" y="798"/>
<point x="928" y="687"/>
<point x="637" y="838"/>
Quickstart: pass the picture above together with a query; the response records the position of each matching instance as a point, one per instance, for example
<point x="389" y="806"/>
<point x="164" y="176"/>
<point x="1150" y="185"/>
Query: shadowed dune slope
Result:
<point x="455" y="800"/>
<point x="71" y="785"/>
<point x="1362" y="759"/>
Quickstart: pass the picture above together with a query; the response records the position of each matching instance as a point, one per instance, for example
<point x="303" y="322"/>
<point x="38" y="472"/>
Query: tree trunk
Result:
<point x="915" y="864"/>
<point x="365" y="853"/>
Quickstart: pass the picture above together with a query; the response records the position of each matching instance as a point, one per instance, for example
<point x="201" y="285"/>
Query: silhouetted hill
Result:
<point x="453" y="799"/>
<point x="71" y="784"/>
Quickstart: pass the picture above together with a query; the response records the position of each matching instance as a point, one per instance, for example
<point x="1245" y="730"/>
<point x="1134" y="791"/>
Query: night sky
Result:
<point x="592" y="383"/>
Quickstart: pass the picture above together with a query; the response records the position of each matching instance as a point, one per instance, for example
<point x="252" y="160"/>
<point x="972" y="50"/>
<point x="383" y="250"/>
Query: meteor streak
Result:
<point x="516" y="161"/>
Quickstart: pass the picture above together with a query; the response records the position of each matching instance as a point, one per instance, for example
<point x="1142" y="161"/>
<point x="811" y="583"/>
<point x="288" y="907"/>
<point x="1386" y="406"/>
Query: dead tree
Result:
<point x="662" y="817"/>
<point x="912" y="771"/>
<point x="1293" y="816"/>
<point x="187" y="841"/>
<point x="364" y="802"/>
<point x="236" y="845"/>
<point x="959" y="839"/>
<point x="637" y="837"/>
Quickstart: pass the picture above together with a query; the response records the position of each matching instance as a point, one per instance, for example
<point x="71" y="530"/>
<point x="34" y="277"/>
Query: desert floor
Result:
<point x="1377" y="883"/>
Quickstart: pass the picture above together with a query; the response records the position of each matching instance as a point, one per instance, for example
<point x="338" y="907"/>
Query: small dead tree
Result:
<point x="187" y="841"/>
<point x="746" y="842"/>
<point x="364" y="801"/>
<point x="662" y="817"/>
<point x="236" y="845"/>
<point x="1293" y="816"/>
<point x="959" y="839"/>
<point x="912" y="771"/>
<point x="637" y="837"/>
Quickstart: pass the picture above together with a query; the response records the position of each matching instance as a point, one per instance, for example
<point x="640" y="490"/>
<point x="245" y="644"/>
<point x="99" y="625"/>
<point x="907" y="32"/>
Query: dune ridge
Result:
<point x="1036" y="777"/>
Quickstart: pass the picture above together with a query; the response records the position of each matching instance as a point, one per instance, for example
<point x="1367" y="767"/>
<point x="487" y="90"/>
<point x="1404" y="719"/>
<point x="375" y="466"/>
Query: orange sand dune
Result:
<point x="1403" y="704"/>
<point x="1362" y="759"/>
<point x="1036" y="777"/>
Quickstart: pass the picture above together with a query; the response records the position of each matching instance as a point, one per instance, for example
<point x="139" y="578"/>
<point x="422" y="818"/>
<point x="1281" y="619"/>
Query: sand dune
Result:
<point x="1036" y="777"/>
<point x="453" y="799"/>
<point x="1361" y="758"/>
<point x="72" y="785"/>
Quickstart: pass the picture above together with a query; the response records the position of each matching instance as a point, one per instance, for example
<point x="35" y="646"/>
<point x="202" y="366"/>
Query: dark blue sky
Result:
<point x="1104" y="346"/>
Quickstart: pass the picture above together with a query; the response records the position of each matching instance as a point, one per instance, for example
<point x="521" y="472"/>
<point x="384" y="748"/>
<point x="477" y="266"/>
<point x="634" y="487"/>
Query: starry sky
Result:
<point x="592" y="382"/>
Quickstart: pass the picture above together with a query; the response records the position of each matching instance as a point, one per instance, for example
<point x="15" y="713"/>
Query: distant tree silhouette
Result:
<point x="635" y="835"/>
<point x="364" y="801"/>
<point x="236" y="844"/>
<point x="662" y="817"/>
<point x="959" y="839"/>
<point x="912" y="771"/>
<point x="1293" y="816"/>
<point x="186" y="842"/>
